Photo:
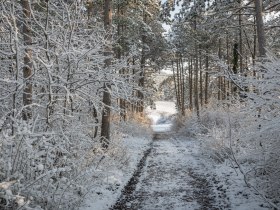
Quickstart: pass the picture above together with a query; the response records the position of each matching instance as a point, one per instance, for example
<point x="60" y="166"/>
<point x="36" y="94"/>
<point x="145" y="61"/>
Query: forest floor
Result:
<point x="173" y="173"/>
<point x="172" y="179"/>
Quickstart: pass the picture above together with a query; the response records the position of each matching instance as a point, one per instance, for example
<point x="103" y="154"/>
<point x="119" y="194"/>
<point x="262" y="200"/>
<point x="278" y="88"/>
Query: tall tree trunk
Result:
<point x="142" y="80"/>
<point x="17" y="70"/>
<point x="255" y="46"/>
<point x="178" y="85"/>
<point x="135" y="92"/>
<point x="240" y="43"/>
<point x="142" y="65"/>
<point x="219" y="87"/>
<point x="200" y="79"/>
<point x="183" y="86"/>
<point x="206" y="78"/>
<point x="95" y="116"/>
<point x="105" y="124"/>
<point x="235" y="58"/>
<point x="228" y="68"/>
<point x="220" y="77"/>
<point x="235" y="65"/>
<point x="190" y="83"/>
<point x="260" y="27"/>
<point x="175" y="82"/>
<point x="261" y="39"/>
<point x="181" y="80"/>
<point x="224" y="88"/>
<point x="28" y="66"/>
<point x="120" y="31"/>
<point x="196" y="97"/>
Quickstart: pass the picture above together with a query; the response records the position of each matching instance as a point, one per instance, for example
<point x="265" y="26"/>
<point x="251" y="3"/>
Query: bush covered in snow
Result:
<point x="49" y="158"/>
<point x="247" y="132"/>
<point x="56" y="169"/>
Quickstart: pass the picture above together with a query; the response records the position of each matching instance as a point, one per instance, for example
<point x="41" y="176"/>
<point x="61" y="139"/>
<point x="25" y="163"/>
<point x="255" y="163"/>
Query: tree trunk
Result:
<point x="105" y="125"/>
<point x="255" y="46"/>
<point x="200" y="80"/>
<point x="260" y="27"/>
<point x="261" y="39"/>
<point x="28" y="66"/>
<point x="190" y="83"/>
<point x="235" y="65"/>
<point x="175" y="83"/>
<point x="206" y="79"/>
<point x="142" y="73"/>
<point x="228" y="68"/>
<point x="240" y="43"/>
<point x="220" y="77"/>
<point x="196" y="96"/>
<point x="120" y="31"/>
<point x="179" y="84"/>
<point x="183" y="86"/>
<point x="142" y="80"/>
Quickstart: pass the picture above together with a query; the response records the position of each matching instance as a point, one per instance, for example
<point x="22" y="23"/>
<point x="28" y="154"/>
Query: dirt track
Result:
<point x="169" y="177"/>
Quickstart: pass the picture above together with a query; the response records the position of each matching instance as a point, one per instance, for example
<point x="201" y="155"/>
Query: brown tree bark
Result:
<point x="183" y="86"/>
<point x="200" y="80"/>
<point x="206" y="79"/>
<point x="142" y="79"/>
<point x="261" y="38"/>
<point x="142" y="73"/>
<point x="106" y="113"/>
<point x="191" y="83"/>
<point x="178" y="85"/>
<point x="260" y="27"/>
<point x="196" y="96"/>
<point x="240" y="43"/>
<point x="175" y="83"/>
<point x="220" y="77"/>
<point x="120" y="31"/>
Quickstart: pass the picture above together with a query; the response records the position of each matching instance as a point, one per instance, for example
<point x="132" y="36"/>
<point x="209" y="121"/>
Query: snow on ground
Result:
<point x="107" y="189"/>
<point x="240" y="196"/>
<point x="173" y="172"/>
<point x="111" y="177"/>
<point x="164" y="183"/>
<point x="177" y="176"/>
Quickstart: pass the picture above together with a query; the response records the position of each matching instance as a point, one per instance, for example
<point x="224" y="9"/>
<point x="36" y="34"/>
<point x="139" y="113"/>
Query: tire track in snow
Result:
<point x="169" y="176"/>
<point x="130" y="187"/>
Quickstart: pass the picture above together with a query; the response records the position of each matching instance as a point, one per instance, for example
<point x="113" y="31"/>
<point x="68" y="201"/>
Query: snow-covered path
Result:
<point x="175" y="174"/>
<point x="171" y="179"/>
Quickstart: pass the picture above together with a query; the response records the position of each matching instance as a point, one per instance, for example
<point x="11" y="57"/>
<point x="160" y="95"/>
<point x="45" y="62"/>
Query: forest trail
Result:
<point x="171" y="174"/>
<point x="171" y="177"/>
<point x="174" y="174"/>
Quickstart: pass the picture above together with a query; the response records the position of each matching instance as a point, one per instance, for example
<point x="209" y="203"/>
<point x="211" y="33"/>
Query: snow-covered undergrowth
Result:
<point x="52" y="158"/>
<point x="246" y="133"/>
<point x="57" y="169"/>
<point x="231" y="137"/>
<point x="48" y="169"/>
